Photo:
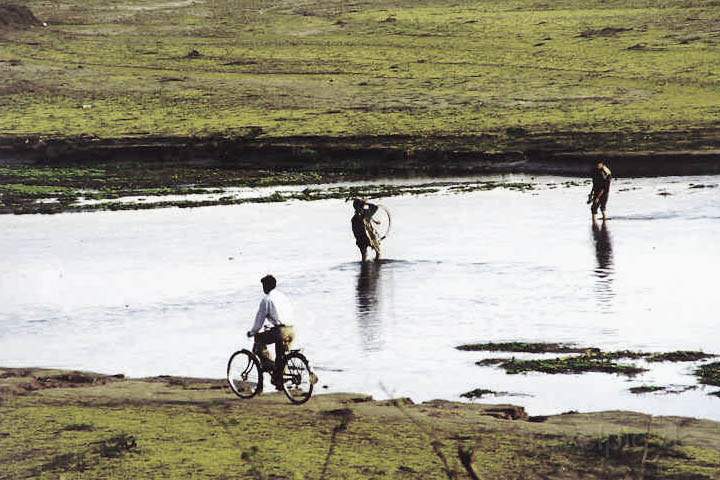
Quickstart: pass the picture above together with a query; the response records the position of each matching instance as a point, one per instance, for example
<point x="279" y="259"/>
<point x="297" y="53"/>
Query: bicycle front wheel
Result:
<point x="297" y="379"/>
<point x="244" y="374"/>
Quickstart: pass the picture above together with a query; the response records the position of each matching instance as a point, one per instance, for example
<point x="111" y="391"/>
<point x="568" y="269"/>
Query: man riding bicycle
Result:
<point x="277" y="310"/>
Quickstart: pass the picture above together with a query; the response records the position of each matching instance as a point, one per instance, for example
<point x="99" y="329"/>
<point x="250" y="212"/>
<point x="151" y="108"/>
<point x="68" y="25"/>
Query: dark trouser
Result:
<point x="600" y="201"/>
<point x="363" y="245"/>
<point x="281" y="336"/>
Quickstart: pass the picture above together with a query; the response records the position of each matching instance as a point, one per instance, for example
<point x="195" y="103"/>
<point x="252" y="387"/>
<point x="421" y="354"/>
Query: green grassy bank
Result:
<point x="493" y="70"/>
<point x="71" y="425"/>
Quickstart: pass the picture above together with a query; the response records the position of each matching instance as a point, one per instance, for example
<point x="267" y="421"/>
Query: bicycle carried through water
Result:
<point x="245" y="375"/>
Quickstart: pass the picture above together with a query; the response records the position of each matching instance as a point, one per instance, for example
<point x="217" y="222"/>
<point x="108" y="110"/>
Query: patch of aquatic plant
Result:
<point x="587" y="360"/>
<point x="49" y="174"/>
<point x="709" y="374"/>
<point x="381" y="191"/>
<point x="676" y="356"/>
<point x="532" y="347"/>
<point x="478" y="393"/>
<point x="483" y="392"/>
<point x="680" y="356"/>
<point x="645" y="389"/>
<point x="575" y="183"/>
<point x="570" y="365"/>
<point x="23" y="199"/>
<point x="465" y="187"/>
<point x="54" y="189"/>
<point x="627" y="354"/>
<point x="662" y="389"/>
<point x="37" y="191"/>
<point x="286" y="178"/>
<point x="486" y="362"/>
<point x="518" y="186"/>
<point x="552" y="347"/>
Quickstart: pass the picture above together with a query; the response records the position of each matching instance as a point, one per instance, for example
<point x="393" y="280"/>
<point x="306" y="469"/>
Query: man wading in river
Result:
<point x="276" y="309"/>
<point x="598" y="196"/>
<point x="365" y="235"/>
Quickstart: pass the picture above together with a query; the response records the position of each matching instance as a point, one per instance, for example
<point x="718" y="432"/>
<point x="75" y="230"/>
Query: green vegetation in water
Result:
<point x="569" y="365"/>
<point x="680" y="356"/>
<point x="536" y="347"/>
<point x="478" y="393"/>
<point x="550" y="347"/>
<point x="35" y="191"/>
<point x="645" y="389"/>
<point x="709" y="374"/>
<point x="627" y="354"/>
<point x="674" y="356"/>
<point x="665" y="390"/>
<point x="48" y="189"/>
<point x="589" y="359"/>
<point x="486" y="362"/>
<point x="490" y="185"/>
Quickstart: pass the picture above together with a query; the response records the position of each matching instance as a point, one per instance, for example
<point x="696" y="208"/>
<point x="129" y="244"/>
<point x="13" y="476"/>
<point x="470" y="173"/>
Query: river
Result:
<point x="173" y="291"/>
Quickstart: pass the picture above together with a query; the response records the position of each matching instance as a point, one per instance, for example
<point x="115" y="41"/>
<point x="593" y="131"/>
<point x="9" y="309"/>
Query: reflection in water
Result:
<point x="605" y="268"/>
<point x="368" y="306"/>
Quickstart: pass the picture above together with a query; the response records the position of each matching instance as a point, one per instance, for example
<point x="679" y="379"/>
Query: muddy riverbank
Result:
<point x="55" y="423"/>
<point x="562" y="153"/>
<point x="46" y="175"/>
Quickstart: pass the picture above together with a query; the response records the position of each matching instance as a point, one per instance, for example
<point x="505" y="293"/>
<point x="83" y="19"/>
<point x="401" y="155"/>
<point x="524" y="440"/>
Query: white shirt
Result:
<point x="274" y="307"/>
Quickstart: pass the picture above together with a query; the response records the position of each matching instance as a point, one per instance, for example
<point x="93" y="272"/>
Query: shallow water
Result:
<point x="173" y="291"/>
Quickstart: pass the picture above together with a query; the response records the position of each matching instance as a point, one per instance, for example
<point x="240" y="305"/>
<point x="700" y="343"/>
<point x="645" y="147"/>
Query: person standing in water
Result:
<point x="362" y="228"/>
<point x="598" y="196"/>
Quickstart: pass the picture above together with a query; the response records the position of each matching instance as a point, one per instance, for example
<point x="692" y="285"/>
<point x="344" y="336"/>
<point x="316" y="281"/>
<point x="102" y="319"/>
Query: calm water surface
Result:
<point x="173" y="291"/>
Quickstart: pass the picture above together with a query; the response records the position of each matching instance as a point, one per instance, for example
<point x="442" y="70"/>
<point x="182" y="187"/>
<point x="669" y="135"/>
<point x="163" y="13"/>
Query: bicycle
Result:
<point x="245" y="375"/>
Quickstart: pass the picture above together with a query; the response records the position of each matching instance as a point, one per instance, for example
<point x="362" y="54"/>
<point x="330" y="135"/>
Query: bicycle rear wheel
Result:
<point x="297" y="379"/>
<point x="244" y="374"/>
